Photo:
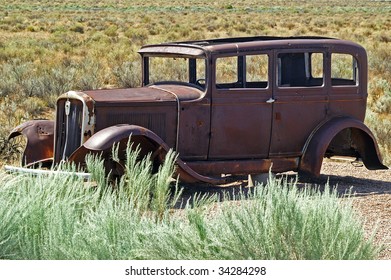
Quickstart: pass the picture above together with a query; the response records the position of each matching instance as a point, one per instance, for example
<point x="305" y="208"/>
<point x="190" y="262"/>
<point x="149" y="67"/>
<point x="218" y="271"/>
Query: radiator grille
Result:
<point x="68" y="129"/>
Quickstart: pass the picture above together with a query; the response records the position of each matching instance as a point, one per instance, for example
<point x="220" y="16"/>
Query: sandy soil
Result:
<point x="372" y="197"/>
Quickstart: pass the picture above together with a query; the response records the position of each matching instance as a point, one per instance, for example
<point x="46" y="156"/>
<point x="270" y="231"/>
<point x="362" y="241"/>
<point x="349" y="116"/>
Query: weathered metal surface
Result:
<point x="102" y="142"/>
<point x="243" y="167"/>
<point x="240" y="124"/>
<point x="289" y="121"/>
<point x="155" y="94"/>
<point x="194" y="130"/>
<point x="39" y="135"/>
<point x="174" y="50"/>
<point x="296" y="113"/>
<point x="360" y="142"/>
<point x="83" y="121"/>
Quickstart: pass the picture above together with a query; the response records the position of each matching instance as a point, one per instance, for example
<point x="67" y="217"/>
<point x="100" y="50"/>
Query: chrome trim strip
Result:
<point x="23" y="170"/>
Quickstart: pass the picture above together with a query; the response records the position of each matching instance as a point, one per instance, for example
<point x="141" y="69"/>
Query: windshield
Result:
<point x="177" y="70"/>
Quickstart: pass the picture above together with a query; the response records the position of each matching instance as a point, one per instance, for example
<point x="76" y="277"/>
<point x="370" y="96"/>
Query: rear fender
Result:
<point x="40" y="138"/>
<point x="361" y="140"/>
<point x="102" y="142"/>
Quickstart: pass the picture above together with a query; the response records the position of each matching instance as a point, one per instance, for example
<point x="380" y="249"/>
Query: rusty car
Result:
<point x="227" y="106"/>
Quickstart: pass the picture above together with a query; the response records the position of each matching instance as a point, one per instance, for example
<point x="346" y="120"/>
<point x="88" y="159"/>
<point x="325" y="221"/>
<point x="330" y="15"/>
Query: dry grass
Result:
<point x="48" y="47"/>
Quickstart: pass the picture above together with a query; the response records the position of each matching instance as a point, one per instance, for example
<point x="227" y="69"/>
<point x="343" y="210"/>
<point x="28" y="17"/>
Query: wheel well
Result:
<point x="145" y="146"/>
<point x="355" y="142"/>
<point x="342" y="144"/>
<point x="341" y="136"/>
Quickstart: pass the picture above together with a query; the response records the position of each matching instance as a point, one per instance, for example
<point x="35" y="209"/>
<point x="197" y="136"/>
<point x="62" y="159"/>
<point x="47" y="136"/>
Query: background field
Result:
<point x="50" y="47"/>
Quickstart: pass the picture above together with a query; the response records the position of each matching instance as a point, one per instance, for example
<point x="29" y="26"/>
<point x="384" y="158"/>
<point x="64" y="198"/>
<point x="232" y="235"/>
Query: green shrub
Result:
<point x="378" y="117"/>
<point x="111" y="31"/>
<point x="70" y="47"/>
<point x="78" y="28"/>
<point x="278" y="221"/>
<point x="128" y="74"/>
<point x="383" y="103"/>
<point x="62" y="217"/>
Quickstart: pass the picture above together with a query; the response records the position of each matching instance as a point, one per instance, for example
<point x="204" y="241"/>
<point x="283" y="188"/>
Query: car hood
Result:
<point x="153" y="93"/>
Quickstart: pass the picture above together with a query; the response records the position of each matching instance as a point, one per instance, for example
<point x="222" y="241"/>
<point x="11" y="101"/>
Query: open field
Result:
<point x="50" y="47"/>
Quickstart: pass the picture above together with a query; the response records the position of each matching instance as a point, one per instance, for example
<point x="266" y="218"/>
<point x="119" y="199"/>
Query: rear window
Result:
<point x="300" y="69"/>
<point x="344" y="70"/>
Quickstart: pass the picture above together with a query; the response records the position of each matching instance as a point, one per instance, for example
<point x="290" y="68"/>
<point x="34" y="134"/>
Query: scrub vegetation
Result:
<point x="50" y="47"/>
<point x="143" y="217"/>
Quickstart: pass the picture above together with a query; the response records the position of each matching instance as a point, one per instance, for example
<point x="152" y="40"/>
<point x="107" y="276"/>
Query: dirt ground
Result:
<point x="372" y="197"/>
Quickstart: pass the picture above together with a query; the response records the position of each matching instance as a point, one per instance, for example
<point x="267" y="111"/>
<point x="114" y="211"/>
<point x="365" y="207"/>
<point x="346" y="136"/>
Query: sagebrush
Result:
<point x="144" y="216"/>
<point x="48" y="48"/>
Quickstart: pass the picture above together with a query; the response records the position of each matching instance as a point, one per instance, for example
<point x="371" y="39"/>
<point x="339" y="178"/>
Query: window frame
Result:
<point x="191" y="73"/>
<point x="356" y="71"/>
<point x="241" y="72"/>
<point x="308" y="71"/>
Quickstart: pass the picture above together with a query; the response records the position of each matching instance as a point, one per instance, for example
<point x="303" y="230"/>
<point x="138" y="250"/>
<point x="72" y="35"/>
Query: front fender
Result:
<point x="103" y="141"/>
<point x="40" y="139"/>
<point x="362" y="140"/>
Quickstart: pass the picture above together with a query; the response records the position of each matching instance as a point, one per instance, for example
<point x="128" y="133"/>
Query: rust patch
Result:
<point x="40" y="140"/>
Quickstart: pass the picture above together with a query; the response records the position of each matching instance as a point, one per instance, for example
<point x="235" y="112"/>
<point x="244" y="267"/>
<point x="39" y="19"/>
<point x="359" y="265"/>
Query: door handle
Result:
<point x="270" y="100"/>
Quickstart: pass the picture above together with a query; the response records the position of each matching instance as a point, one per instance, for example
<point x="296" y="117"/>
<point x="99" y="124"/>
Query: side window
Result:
<point x="249" y="71"/>
<point x="257" y="67"/>
<point x="168" y="69"/>
<point x="302" y="69"/>
<point x="344" y="70"/>
<point x="177" y="69"/>
<point x="227" y="71"/>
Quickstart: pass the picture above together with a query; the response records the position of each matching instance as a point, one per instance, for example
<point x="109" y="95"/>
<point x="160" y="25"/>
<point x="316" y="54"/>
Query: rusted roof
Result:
<point x="198" y="48"/>
<point x="187" y="50"/>
<point x="237" y="40"/>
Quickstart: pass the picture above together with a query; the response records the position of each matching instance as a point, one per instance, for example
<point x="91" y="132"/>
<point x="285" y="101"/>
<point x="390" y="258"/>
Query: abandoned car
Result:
<point x="227" y="106"/>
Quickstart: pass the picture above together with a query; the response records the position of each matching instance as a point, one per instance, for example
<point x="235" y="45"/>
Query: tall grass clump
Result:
<point x="278" y="221"/>
<point x="128" y="74"/>
<point x="63" y="217"/>
<point x="378" y="117"/>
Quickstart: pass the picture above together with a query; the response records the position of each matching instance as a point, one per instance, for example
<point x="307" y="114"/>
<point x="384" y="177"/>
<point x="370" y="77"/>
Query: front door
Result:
<point x="240" y="109"/>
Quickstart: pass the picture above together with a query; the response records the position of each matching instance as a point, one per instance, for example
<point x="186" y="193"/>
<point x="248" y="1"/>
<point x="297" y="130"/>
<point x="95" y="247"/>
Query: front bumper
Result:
<point x="45" y="172"/>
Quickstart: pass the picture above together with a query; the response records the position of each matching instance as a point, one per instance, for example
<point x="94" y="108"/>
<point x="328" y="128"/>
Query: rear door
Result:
<point x="300" y="99"/>
<point x="240" y="112"/>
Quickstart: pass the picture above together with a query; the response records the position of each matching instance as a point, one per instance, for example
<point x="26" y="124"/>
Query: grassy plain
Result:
<point x="50" y="47"/>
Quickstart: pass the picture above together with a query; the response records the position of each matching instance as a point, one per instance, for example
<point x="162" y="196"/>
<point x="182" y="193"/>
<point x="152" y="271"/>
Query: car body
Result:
<point x="227" y="106"/>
